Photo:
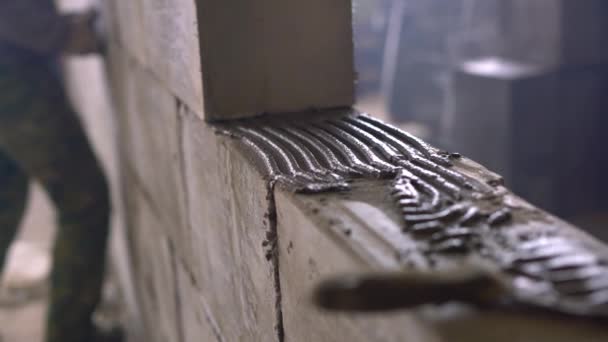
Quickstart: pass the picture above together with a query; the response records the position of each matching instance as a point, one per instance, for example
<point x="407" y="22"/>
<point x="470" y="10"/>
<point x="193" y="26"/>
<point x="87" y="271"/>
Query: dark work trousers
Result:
<point x="42" y="139"/>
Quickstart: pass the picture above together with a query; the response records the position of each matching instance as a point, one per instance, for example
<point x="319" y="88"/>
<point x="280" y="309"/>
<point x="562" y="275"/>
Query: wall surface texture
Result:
<point x="190" y="218"/>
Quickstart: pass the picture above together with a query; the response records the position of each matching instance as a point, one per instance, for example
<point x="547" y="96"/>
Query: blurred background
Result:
<point x="517" y="85"/>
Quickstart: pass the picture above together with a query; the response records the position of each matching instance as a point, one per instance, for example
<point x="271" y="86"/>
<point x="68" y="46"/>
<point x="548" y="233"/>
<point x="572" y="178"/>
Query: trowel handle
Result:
<point x="404" y="290"/>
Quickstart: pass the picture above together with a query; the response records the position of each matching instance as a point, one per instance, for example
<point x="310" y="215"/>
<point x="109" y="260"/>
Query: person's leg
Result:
<point x="13" y="194"/>
<point x="43" y="135"/>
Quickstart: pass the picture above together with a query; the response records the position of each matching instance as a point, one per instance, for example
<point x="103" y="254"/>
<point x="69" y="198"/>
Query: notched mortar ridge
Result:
<point x="446" y="211"/>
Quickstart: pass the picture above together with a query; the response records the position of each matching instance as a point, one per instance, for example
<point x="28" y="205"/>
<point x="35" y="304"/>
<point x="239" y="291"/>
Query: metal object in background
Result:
<point x="536" y="114"/>
<point x="504" y="116"/>
<point x="370" y="21"/>
<point x="541" y="128"/>
<point x="425" y="38"/>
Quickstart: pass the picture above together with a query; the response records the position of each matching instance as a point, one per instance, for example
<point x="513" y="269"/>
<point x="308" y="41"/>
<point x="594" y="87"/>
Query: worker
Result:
<point x="42" y="140"/>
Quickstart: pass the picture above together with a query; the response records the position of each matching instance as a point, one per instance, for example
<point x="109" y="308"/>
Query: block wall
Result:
<point x="179" y="259"/>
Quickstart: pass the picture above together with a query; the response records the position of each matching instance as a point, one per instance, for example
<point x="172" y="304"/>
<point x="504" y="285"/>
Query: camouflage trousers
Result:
<point x="41" y="139"/>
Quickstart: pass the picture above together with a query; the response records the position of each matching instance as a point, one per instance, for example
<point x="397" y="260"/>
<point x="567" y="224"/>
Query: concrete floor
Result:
<point x="22" y="321"/>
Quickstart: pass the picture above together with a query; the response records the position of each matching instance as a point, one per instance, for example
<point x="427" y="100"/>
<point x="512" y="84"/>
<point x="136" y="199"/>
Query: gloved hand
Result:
<point x="83" y="38"/>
